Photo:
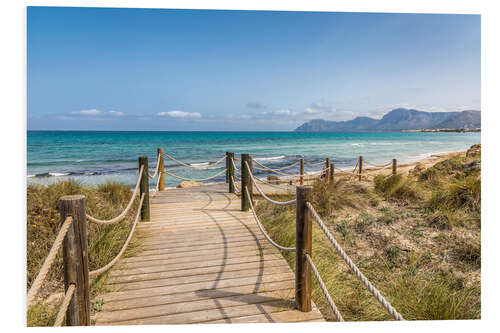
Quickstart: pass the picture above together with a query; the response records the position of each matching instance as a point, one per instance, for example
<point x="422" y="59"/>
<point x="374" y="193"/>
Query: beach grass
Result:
<point x="104" y="241"/>
<point x="416" y="237"/>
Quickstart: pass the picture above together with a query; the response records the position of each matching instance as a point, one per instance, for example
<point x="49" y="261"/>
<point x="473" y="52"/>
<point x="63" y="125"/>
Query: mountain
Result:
<point x="396" y="120"/>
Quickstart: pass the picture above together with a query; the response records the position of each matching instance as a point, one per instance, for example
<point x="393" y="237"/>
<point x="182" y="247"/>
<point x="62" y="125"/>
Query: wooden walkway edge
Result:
<point x="203" y="261"/>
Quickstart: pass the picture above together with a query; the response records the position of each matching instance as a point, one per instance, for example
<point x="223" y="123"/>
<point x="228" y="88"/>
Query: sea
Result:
<point x="97" y="157"/>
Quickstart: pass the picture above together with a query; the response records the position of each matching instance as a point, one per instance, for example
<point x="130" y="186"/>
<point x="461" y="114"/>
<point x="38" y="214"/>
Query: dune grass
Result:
<point x="104" y="241"/>
<point x="388" y="228"/>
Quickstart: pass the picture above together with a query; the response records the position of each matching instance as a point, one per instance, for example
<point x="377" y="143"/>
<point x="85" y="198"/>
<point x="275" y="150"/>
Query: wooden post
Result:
<point x="246" y="182"/>
<point x="144" y="188"/>
<point x="227" y="166"/>
<point x="327" y="165"/>
<point x="230" y="167"/>
<point x="75" y="259"/>
<point x="332" y="172"/>
<point x="161" y="170"/>
<point x="303" y="244"/>
<point x="360" y="169"/>
<point x="301" y="171"/>
<point x="394" y="166"/>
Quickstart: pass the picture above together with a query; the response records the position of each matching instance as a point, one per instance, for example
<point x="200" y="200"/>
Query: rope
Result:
<point x="112" y="262"/>
<point x="262" y="228"/>
<point x="157" y="167"/>
<point x="378" y="166"/>
<point x="313" y="164"/>
<point x="234" y="165"/>
<point x="396" y="315"/>
<point x="64" y="306"/>
<point x="195" y="180"/>
<point x="279" y="203"/>
<point x="272" y="170"/>
<point x="329" y="299"/>
<point x="194" y="167"/>
<point x="237" y="189"/>
<point x="282" y="168"/>
<point x="125" y="211"/>
<point x="269" y="184"/>
<point x="35" y="287"/>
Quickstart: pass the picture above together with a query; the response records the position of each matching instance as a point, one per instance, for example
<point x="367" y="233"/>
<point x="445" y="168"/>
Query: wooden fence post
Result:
<point x="227" y="166"/>
<point x="327" y="165"/>
<point x="360" y="169"/>
<point x="301" y="171"/>
<point x="394" y="166"/>
<point x="161" y="170"/>
<point x="332" y="171"/>
<point x="303" y="244"/>
<point x="75" y="259"/>
<point x="230" y="167"/>
<point x="144" y="188"/>
<point x="246" y="182"/>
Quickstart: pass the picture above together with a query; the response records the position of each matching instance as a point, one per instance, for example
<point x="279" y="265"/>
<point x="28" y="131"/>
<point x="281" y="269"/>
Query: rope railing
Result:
<point x="279" y="203"/>
<point x="195" y="180"/>
<point x="64" y="305"/>
<point x="124" y="247"/>
<point x="371" y="288"/>
<point x="376" y="165"/>
<point x="261" y="227"/>
<point x="157" y="168"/>
<point x="125" y="211"/>
<point x="313" y="164"/>
<point x="322" y="285"/>
<point x="279" y="169"/>
<point x="35" y="287"/>
<point x="210" y="165"/>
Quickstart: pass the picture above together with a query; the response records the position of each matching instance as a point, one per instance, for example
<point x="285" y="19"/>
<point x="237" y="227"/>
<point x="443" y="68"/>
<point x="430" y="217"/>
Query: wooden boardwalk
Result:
<point x="203" y="261"/>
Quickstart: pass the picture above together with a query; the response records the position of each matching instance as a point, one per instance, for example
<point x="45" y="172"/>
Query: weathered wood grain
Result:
<point x="202" y="260"/>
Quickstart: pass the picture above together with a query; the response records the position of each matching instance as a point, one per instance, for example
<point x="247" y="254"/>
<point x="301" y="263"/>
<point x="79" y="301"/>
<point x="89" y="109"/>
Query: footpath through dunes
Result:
<point x="203" y="261"/>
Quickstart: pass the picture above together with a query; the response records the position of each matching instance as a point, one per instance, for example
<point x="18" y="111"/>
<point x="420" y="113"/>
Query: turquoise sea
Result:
<point x="97" y="157"/>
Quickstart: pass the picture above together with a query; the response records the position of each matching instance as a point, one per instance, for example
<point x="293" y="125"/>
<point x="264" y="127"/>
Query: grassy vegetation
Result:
<point x="104" y="241"/>
<point x="417" y="238"/>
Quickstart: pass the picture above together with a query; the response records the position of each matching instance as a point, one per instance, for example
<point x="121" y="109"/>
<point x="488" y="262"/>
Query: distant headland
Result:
<point x="401" y="120"/>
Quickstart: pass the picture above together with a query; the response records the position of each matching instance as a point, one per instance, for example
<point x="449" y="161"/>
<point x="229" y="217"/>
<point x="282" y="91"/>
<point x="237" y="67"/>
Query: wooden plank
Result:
<point x="256" y="266"/>
<point x="288" y="316"/>
<point x="217" y="276"/>
<point x="126" y="270"/>
<point x="148" y="292"/>
<point x="209" y="315"/>
<point x="202" y="260"/>
<point x="220" y="304"/>
<point x="196" y="295"/>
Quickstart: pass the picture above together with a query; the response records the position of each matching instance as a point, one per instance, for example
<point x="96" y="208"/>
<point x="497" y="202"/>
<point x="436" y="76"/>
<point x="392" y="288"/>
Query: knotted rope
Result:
<point x="35" y="287"/>
<point x="112" y="262"/>
<point x="282" y="248"/>
<point x="396" y="315"/>
<point x="125" y="211"/>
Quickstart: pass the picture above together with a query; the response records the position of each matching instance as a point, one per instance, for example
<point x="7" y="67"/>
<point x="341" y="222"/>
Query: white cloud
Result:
<point x="115" y="113"/>
<point x="283" y="112"/>
<point x="96" y="112"/>
<point x="91" y="112"/>
<point x="180" y="114"/>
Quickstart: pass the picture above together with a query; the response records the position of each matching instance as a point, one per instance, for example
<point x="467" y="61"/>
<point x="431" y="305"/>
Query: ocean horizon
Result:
<point x="96" y="157"/>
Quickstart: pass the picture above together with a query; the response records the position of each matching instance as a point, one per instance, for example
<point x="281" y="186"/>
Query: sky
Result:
<point x="210" y="70"/>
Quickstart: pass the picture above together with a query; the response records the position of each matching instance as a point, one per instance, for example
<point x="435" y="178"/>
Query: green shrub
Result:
<point x="397" y="187"/>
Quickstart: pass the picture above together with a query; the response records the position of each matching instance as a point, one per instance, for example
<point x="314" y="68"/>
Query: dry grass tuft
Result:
<point x="104" y="241"/>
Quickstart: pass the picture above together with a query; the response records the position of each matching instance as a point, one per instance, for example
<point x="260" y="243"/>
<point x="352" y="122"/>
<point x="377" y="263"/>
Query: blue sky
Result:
<point x="158" y="69"/>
